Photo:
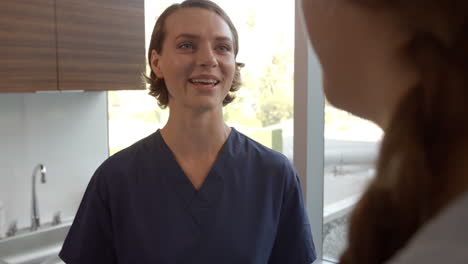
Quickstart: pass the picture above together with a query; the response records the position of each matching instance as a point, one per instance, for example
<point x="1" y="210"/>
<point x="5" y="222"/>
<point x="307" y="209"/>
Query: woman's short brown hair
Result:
<point x="157" y="86"/>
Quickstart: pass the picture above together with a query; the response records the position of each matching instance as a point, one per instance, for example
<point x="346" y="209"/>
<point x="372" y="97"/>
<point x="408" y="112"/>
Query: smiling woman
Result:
<point x="196" y="60"/>
<point x="197" y="190"/>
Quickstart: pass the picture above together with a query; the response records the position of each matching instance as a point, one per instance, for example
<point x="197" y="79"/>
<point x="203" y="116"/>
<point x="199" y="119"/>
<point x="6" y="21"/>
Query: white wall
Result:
<point x="65" y="131"/>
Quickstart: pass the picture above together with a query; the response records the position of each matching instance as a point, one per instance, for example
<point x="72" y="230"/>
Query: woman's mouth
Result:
<point x="204" y="85"/>
<point x="204" y="81"/>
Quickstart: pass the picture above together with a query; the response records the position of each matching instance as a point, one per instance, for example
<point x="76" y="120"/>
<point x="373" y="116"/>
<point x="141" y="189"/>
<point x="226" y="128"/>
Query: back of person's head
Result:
<point x="422" y="164"/>
<point x="157" y="86"/>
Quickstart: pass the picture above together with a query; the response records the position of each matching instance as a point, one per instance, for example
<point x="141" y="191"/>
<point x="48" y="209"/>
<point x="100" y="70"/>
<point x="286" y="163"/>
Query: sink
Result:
<point x="34" y="247"/>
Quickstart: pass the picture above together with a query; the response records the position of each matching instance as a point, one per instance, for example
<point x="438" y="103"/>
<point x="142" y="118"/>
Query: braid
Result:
<point x="420" y="147"/>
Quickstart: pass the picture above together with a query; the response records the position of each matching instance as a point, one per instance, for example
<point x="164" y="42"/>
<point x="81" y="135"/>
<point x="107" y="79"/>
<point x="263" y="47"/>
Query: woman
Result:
<point x="404" y="65"/>
<point x="196" y="191"/>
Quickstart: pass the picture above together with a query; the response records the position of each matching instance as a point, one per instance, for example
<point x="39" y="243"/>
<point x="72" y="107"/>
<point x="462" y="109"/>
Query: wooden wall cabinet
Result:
<point x="71" y="45"/>
<point x="28" y="60"/>
<point x="101" y="44"/>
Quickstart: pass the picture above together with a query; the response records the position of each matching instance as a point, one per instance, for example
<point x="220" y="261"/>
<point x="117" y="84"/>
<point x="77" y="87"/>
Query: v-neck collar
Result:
<point x="207" y="197"/>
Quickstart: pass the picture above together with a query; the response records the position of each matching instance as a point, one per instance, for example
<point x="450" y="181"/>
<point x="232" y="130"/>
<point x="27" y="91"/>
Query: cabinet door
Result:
<point x="101" y="44"/>
<point x="28" y="56"/>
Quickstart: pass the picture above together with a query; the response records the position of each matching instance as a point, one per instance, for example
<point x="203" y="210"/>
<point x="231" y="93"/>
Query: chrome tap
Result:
<point x="35" y="219"/>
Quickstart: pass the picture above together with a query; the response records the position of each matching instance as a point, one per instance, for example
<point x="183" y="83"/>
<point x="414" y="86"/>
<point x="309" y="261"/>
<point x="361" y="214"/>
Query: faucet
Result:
<point x="35" y="219"/>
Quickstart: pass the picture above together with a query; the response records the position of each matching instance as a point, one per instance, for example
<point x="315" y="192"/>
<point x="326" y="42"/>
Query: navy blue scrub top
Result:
<point x="140" y="207"/>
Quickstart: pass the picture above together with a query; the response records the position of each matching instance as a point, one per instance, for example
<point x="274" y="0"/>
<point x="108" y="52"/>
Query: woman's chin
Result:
<point x="205" y="105"/>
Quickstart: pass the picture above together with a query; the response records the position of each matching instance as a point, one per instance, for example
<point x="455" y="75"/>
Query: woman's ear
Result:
<point x="156" y="64"/>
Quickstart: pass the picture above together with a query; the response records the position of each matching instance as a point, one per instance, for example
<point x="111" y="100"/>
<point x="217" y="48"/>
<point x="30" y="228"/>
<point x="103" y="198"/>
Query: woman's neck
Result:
<point x="195" y="134"/>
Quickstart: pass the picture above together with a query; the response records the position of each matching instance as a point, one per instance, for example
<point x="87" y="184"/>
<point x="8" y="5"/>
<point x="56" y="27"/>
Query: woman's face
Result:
<point x="197" y="60"/>
<point x="359" y="49"/>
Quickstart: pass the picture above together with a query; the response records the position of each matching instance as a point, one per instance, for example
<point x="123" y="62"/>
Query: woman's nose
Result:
<point x="207" y="57"/>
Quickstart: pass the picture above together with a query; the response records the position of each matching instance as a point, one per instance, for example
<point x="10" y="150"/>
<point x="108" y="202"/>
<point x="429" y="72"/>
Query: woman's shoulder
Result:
<point x="131" y="159"/>
<point x="443" y="240"/>
<point x="250" y="147"/>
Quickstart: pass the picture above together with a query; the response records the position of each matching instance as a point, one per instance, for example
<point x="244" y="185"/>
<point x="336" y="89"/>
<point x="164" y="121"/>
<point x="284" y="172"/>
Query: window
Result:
<point x="351" y="146"/>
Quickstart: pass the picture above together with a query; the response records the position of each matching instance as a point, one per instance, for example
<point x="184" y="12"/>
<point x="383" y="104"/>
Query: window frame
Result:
<point x="309" y="122"/>
<point x="309" y="129"/>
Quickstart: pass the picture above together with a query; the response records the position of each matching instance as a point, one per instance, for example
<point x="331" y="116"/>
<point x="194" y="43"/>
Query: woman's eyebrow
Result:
<point x="223" y="38"/>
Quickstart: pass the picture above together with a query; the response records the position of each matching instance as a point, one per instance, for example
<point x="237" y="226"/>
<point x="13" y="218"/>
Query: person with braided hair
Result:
<point x="404" y="65"/>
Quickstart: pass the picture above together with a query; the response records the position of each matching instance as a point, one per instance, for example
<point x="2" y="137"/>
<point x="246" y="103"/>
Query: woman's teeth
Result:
<point x="204" y="81"/>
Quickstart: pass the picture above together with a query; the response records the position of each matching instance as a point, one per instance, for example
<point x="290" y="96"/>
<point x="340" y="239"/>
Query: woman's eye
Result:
<point x="224" y="48"/>
<point x="185" y="46"/>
